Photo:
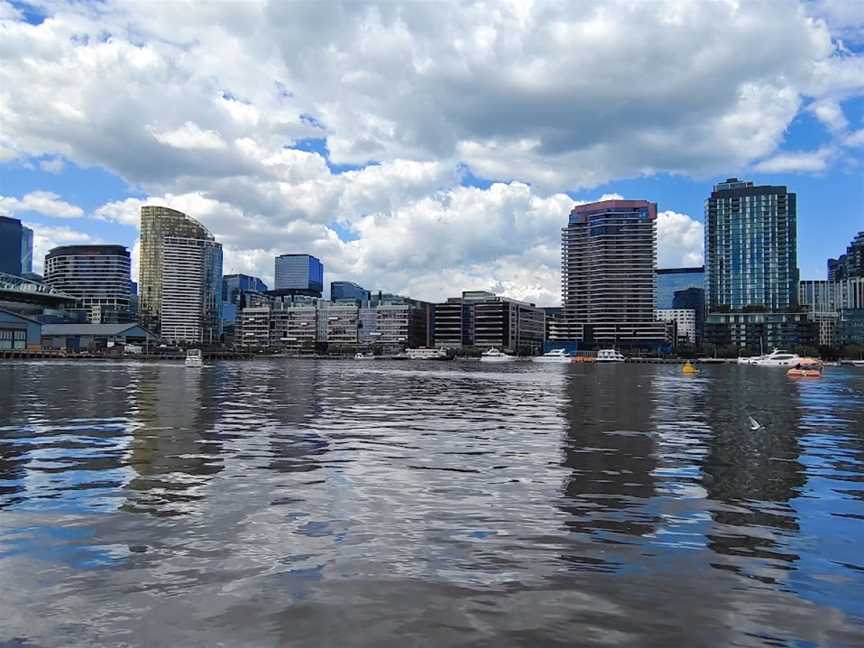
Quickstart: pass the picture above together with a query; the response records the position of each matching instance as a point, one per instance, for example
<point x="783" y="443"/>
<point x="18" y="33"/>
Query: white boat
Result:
<point x="609" y="355"/>
<point x="777" y="358"/>
<point x="558" y="356"/>
<point x="194" y="358"/>
<point x="494" y="355"/>
<point x="364" y="356"/>
<point x="748" y="361"/>
<point x="422" y="353"/>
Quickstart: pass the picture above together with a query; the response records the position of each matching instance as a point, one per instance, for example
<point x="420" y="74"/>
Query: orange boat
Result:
<point x="807" y="368"/>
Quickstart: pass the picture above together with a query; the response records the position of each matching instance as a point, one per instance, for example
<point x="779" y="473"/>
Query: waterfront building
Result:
<point x="82" y="337"/>
<point x="692" y="299"/>
<point x="836" y="307"/>
<point x="340" y="290"/>
<point x="483" y="319"/>
<point x="608" y="282"/>
<point x="236" y="289"/>
<point x="16" y="247"/>
<point x="757" y="331"/>
<point x="19" y="332"/>
<point x="851" y="264"/>
<point x="298" y="274"/>
<point x="180" y="277"/>
<point x="672" y="280"/>
<point x="684" y="319"/>
<point x="98" y="276"/>
<point x="751" y="257"/>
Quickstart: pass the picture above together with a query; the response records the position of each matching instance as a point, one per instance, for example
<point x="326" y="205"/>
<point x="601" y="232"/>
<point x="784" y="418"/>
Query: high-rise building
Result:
<point x="684" y="319"/>
<point x="16" y="247"/>
<point x="348" y="290"/>
<point x="849" y="265"/>
<point x="299" y="274"/>
<point x="751" y="257"/>
<point x="180" y="279"/>
<point x="98" y="276"/>
<point x="235" y="288"/>
<point x="483" y="319"/>
<point x="671" y="280"/>
<point x="692" y="299"/>
<point x="608" y="285"/>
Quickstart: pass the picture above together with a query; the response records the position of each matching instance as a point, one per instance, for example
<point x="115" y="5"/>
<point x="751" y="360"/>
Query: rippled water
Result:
<point x="391" y="504"/>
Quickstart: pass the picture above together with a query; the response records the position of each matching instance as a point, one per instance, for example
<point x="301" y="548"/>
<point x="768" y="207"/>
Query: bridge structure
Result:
<point x="19" y="290"/>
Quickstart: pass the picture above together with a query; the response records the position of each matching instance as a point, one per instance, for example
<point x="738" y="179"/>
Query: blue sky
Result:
<point x="426" y="153"/>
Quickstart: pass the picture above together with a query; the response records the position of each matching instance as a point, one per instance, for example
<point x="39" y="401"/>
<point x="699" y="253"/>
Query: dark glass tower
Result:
<point x="16" y="247"/>
<point x="301" y="274"/>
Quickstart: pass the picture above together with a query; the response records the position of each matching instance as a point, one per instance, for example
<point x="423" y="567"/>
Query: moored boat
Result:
<point x="364" y="356"/>
<point x="556" y="356"/>
<point x="194" y="358"/>
<point x="778" y="358"/>
<point x="609" y="355"/>
<point x="422" y="353"/>
<point x="494" y="355"/>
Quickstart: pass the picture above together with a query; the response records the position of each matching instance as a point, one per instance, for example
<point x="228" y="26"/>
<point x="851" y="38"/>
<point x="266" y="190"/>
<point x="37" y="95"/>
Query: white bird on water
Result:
<point x="754" y="424"/>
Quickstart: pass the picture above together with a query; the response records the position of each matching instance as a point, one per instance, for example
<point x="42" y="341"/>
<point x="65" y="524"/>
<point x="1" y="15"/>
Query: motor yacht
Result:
<point x="609" y="355"/>
<point x="558" y="356"/>
<point x="194" y="358"/>
<point x="494" y="355"/>
<point x="777" y="358"/>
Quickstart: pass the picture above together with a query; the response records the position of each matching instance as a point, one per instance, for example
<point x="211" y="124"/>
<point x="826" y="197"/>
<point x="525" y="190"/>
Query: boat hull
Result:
<point x="545" y="360"/>
<point x="498" y="359"/>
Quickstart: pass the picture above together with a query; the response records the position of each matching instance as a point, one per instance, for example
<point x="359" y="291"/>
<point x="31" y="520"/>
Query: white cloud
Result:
<point x="188" y="136"/>
<point x="46" y="237"/>
<point x="41" y="202"/>
<point x="680" y="240"/>
<point x="799" y="161"/>
<point x="53" y="165"/>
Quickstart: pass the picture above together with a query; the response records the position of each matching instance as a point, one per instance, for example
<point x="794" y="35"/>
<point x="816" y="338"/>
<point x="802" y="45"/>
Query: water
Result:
<point x="295" y="502"/>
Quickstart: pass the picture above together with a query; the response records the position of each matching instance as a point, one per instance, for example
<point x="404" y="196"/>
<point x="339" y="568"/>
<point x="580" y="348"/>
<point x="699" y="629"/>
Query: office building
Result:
<point x="836" y="307"/>
<point x="608" y="283"/>
<point x="672" y="280"/>
<point x="685" y="322"/>
<point x="16" y="247"/>
<point x="340" y="290"/>
<point x="485" y="320"/>
<point x="298" y="274"/>
<point x="692" y="299"/>
<point x="98" y="276"/>
<point x="180" y="282"/>
<point x="751" y="257"/>
<point x="236" y="289"/>
<point x="849" y="265"/>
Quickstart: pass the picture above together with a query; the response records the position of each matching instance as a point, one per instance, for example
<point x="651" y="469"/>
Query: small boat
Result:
<point x="778" y="358"/>
<point x="422" y="353"/>
<point x="557" y="356"/>
<point x="364" y="356"/>
<point x="194" y="358"/>
<point x="494" y="355"/>
<point x="609" y="355"/>
<point x="801" y="372"/>
<point x="689" y="369"/>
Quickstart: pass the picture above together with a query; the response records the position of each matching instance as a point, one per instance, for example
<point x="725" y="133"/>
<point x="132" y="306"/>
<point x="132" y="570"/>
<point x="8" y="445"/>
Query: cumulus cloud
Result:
<point x="680" y="240"/>
<point x="40" y="202"/>
<point x="188" y="136"/>
<point x="799" y="161"/>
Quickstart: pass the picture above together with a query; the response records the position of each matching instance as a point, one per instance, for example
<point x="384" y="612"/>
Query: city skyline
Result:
<point x="413" y="201"/>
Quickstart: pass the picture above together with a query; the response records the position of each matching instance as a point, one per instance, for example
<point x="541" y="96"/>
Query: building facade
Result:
<point x="849" y="265"/>
<point x="98" y="276"/>
<point x="340" y="290"/>
<point x="672" y="280"/>
<point x="235" y="289"/>
<point x="836" y="307"/>
<point x="608" y="281"/>
<point x="751" y="257"/>
<point x="685" y="322"/>
<point x="761" y="332"/>
<point x="180" y="280"/>
<point x="485" y="320"/>
<point x="16" y="247"/>
<point x="299" y="274"/>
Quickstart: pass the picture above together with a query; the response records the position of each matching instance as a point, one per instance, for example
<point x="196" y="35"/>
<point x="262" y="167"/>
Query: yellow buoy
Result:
<point x="689" y="368"/>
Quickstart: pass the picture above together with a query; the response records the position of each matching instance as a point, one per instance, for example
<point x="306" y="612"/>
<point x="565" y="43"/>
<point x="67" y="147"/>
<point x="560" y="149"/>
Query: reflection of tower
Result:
<point x="175" y="450"/>
<point x="13" y="454"/>
<point x="756" y="472"/>
<point x="611" y="457"/>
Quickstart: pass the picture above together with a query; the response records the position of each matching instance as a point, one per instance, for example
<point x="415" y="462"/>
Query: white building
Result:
<point x="684" y="318"/>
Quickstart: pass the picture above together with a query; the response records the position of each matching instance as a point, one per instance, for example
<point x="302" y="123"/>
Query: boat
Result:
<point x="422" y="353"/>
<point x="689" y="369"/>
<point x="801" y="372"/>
<point x="609" y="355"/>
<point x="557" y="356"/>
<point x="853" y="363"/>
<point x="364" y="356"/>
<point x="494" y="355"/>
<point x="194" y="358"/>
<point x="778" y="358"/>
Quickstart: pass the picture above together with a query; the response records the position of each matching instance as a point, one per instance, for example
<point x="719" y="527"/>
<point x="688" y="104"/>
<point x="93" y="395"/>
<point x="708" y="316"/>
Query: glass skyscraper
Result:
<point x="299" y="273"/>
<point x="180" y="277"/>
<point x="751" y="257"/>
<point x="671" y="280"/>
<point x="348" y="290"/>
<point x="16" y="247"/>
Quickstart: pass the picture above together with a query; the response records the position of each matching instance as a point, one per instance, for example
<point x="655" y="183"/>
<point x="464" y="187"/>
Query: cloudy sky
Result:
<point x="426" y="148"/>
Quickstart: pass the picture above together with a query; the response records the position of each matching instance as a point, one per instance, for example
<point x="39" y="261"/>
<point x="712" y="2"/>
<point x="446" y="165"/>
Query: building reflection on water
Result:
<point x="610" y="453"/>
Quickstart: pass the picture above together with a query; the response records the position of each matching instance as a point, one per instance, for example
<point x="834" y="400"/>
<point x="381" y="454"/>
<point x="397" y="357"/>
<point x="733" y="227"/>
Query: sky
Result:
<point x="426" y="148"/>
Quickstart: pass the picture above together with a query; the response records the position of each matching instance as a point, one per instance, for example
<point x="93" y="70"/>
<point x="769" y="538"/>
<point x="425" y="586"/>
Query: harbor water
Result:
<point x="340" y="503"/>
